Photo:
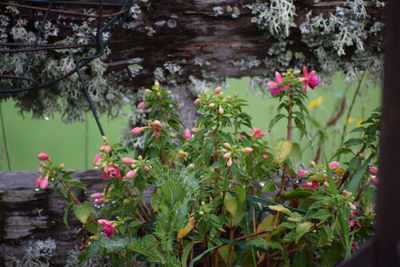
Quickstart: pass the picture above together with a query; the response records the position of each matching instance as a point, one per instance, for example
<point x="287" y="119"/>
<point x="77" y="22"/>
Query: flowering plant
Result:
<point x="220" y="193"/>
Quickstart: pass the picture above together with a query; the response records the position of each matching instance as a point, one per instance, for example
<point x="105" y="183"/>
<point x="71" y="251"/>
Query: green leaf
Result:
<point x="274" y="120"/>
<point x="269" y="187"/>
<point x="83" y="211"/>
<point x="353" y="142"/>
<point x="302" y="229"/>
<point x="325" y="236"/>
<point x="241" y="192"/>
<point x="186" y="252"/>
<point x="298" y="193"/>
<point x="355" y="180"/>
<point x="230" y="204"/>
<point x="320" y="214"/>
<point x="201" y="255"/>
<point x="295" y="217"/>
<point x="264" y="244"/>
<point x="147" y="246"/>
<point x="343" y="217"/>
<point x="66" y="210"/>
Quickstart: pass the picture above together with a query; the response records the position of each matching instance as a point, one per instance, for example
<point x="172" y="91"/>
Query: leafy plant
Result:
<point x="209" y="184"/>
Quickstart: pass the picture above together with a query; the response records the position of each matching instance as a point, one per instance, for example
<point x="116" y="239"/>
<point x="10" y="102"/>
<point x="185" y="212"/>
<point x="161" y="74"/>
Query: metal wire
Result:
<point x="100" y="49"/>
<point x="83" y="60"/>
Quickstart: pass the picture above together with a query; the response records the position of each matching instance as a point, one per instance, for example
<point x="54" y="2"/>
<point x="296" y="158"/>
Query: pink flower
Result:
<point x="301" y="173"/>
<point x="247" y="149"/>
<point x="310" y="79"/>
<point x="142" y="105"/>
<point x="108" y="228"/>
<point x="373" y="170"/>
<point x="111" y="171"/>
<point x="354" y="223"/>
<point x="265" y="156"/>
<point x="130" y="174"/>
<point x="354" y="246"/>
<point x="97" y="195"/>
<point x="187" y="134"/>
<point x="227" y="155"/>
<point x="256" y="132"/>
<point x="136" y="131"/>
<point x="43" y="156"/>
<point x="241" y="136"/>
<point x="37" y="181"/>
<point x="217" y="90"/>
<point x="310" y="185"/>
<point x="44" y="183"/>
<point x="333" y="165"/>
<point x="229" y="163"/>
<point x="105" y="148"/>
<point x="127" y="160"/>
<point x="97" y="159"/>
<point x="275" y="88"/>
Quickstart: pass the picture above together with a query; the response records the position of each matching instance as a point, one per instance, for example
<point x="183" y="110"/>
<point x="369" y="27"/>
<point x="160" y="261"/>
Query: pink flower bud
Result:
<point x="227" y="145"/>
<point x="221" y="110"/>
<point x="373" y="170"/>
<point x="44" y="183"/>
<point x="157" y="123"/>
<point x="211" y="105"/>
<point x="247" y="149"/>
<point x="301" y="173"/>
<point x="227" y="155"/>
<point x="142" y="105"/>
<point x="105" y="148"/>
<point x="146" y="168"/>
<point x="353" y="207"/>
<point x="229" y="163"/>
<point x="217" y="90"/>
<point x="37" y="181"/>
<point x="98" y="201"/>
<point x="334" y="164"/>
<point x="187" y="134"/>
<point x="97" y="195"/>
<point x="374" y="180"/>
<point x="197" y="101"/>
<point x="97" y="159"/>
<point x="43" y="156"/>
<point x="136" y="131"/>
<point x="265" y="156"/>
<point x="130" y="174"/>
<point x="127" y="160"/>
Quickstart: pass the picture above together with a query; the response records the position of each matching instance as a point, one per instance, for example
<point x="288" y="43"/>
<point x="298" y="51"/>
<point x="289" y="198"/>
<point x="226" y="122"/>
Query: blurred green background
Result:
<point x="66" y="143"/>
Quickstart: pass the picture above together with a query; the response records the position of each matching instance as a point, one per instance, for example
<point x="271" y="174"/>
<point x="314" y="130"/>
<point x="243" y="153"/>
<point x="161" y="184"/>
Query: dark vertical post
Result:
<point x="388" y="213"/>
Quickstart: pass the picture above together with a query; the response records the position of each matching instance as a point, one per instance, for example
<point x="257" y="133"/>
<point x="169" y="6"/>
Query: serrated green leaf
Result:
<point x="302" y="229"/>
<point x="83" y="211"/>
<point x="355" y="180"/>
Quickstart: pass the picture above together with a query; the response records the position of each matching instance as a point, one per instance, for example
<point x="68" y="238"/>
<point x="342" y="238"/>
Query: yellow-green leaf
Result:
<point x="230" y="204"/>
<point x="83" y="211"/>
<point x="280" y="208"/>
<point x="282" y="150"/>
<point x="185" y="230"/>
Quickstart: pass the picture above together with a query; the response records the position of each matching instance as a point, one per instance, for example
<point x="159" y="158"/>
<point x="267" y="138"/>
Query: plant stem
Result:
<point x="351" y="108"/>
<point x="86" y="153"/>
<point x="3" y="130"/>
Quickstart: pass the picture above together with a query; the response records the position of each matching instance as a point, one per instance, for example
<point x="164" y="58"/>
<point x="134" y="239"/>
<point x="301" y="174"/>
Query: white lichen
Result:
<point x="277" y="16"/>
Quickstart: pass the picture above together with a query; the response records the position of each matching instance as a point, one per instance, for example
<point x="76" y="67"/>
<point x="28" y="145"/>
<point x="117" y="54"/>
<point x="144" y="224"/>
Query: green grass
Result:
<point x="66" y="142"/>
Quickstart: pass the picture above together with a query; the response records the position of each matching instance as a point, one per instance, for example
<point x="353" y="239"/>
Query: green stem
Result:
<point x="3" y="130"/>
<point x="86" y="153"/>
<point x="351" y="107"/>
